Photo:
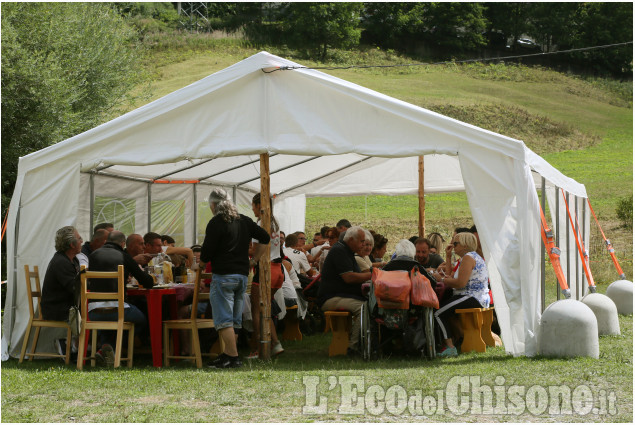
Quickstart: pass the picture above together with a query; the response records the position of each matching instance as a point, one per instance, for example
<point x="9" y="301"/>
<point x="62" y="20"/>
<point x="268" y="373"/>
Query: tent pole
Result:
<point x="422" y="201"/>
<point x="91" y="184"/>
<point x="585" y="243"/>
<point x="195" y="214"/>
<point x="149" y="206"/>
<point x="558" y="229"/>
<point x="265" y="261"/>
<point x="542" y="252"/>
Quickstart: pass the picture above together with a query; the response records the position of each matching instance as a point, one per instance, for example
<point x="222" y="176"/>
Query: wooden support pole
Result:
<point x="265" y="261"/>
<point x="422" y="201"/>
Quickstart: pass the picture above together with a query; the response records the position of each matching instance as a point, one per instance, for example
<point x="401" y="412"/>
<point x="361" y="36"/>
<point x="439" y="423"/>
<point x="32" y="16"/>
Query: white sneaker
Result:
<point x="253" y="356"/>
<point x="277" y="349"/>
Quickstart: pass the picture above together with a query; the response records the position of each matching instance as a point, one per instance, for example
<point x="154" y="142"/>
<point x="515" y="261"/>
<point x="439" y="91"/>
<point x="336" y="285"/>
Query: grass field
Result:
<point x="583" y="128"/>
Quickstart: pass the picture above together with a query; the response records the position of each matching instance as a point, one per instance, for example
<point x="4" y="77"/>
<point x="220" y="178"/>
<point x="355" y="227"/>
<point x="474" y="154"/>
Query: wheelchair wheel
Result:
<point x="428" y="319"/>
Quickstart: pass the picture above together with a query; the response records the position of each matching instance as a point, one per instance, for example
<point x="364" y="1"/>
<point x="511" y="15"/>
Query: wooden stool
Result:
<point x="339" y="323"/>
<point x="472" y="322"/>
<point x="291" y="325"/>
<point x="486" y="329"/>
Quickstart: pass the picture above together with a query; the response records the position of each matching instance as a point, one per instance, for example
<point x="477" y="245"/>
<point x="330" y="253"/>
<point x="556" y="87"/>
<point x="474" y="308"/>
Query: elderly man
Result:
<point x="228" y="237"/>
<point x="423" y="255"/>
<point x="60" y="289"/>
<point x="341" y="285"/>
<point x="61" y="283"/>
<point x="97" y="241"/>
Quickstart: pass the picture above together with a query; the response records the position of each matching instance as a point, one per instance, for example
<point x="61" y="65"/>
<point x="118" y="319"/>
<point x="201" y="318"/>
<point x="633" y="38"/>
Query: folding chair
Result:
<point x="39" y="322"/>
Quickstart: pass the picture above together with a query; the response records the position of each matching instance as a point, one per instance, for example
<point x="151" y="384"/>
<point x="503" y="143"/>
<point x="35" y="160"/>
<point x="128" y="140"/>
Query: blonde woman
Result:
<point x="469" y="284"/>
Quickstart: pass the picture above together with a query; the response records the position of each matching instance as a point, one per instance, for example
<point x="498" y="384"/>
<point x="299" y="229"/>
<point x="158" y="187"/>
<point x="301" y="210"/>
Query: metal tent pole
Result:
<point x="557" y="228"/>
<point x="542" y="252"/>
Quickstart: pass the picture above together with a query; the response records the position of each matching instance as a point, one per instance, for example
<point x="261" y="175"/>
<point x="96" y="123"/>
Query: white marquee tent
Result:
<point x="155" y="166"/>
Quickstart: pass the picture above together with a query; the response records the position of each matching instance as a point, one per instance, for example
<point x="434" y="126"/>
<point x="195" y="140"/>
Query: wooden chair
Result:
<point x="119" y="325"/>
<point x="193" y="324"/>
<point x="38" y="322"/>
<point x="339" y="322"/>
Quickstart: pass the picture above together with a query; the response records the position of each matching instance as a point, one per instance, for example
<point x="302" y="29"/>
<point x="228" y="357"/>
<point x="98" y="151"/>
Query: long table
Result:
<point x="154" y="299"/>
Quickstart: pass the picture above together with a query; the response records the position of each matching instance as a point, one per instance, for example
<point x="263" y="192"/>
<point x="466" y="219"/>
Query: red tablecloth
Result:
<point x="154" y="298"/>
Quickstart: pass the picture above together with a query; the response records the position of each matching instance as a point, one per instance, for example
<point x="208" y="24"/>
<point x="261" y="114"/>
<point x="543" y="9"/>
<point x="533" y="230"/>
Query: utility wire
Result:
<point x="580" y="49"/>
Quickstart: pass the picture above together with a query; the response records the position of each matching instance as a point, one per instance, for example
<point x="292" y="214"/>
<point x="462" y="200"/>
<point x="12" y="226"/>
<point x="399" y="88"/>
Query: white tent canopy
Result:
<point x="325" y="137"/>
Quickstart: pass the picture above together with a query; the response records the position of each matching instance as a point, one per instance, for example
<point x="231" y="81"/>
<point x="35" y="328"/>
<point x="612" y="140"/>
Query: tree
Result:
<point x="64" y="66"/>
<point x="322" y="25"/>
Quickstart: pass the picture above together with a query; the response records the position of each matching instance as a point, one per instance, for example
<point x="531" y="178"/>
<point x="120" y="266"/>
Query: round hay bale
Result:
<point x="568" y="328"/>
<point x="605" y="312"/>
<point x="621" y="292"/>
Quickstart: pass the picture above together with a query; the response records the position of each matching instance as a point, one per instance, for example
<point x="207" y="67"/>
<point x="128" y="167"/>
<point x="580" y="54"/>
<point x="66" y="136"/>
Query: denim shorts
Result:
<point x="226" y="297"/>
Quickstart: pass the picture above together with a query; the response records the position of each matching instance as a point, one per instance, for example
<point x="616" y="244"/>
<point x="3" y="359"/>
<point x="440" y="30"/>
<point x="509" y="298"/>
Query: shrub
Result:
<point x="624" y="211"/>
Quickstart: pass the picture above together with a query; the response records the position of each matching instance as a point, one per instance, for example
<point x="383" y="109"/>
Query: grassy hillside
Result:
<point x="582" y="127"/>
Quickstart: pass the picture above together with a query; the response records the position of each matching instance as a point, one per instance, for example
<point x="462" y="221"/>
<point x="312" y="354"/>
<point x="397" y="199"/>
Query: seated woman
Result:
<point x="379" y="249"/>
<point x="363" y="258"/>
<point x="437" y="242"/>
<point x="405" y="260"/>
<point x="332" y="236"/>
<point x="469" y="284"/>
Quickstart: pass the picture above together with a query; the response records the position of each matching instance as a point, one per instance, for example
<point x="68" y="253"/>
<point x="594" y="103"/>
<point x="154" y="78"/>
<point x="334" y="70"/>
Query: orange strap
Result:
<point x="583" y="256"/>
<point x="554" y="253"/>
<point x="609" y="247"/>
<point x="4" y="224"/>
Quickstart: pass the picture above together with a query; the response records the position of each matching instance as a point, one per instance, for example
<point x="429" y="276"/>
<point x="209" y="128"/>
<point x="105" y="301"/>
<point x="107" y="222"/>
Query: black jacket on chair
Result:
<point x="107" y="259"/>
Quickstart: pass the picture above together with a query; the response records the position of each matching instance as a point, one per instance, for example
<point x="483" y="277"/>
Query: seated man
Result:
<point x="97" y="241"/>
<point x="106" y="259"/>
<point x="153" y="245"/>
<point x="60" y="289"/>
<point x="342" y="226"/>
<point x="426" y="258"/>
<point x="135" y="248"/>
<point x="296" y="255"/>
<point x="341" y="284"/>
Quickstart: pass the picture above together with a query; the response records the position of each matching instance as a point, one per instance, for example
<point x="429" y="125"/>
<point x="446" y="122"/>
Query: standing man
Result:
<point x="226" y="246"/>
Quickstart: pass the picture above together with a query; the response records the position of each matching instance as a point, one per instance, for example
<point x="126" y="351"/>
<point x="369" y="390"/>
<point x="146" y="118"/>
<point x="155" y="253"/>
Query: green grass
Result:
<point x="48" y="391"/>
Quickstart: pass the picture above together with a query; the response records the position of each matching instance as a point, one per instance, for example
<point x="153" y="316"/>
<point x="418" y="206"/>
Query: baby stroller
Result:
<point x="398" y="315"/>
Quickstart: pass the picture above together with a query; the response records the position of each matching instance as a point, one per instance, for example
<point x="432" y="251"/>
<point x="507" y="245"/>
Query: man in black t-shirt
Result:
<point x="226" y="246"/>
<point x="341" y="283"/>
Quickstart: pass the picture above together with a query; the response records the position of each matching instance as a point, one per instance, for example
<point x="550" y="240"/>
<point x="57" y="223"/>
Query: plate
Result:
<point x="161" y="286"/>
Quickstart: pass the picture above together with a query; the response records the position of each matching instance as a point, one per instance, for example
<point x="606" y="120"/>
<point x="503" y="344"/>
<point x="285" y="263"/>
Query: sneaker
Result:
<point x="106" y="355"/>
<point x="277" y="349"/>
<point x="225" y="362"/>
<point x="253" y="356"/>
<point x="449" y="352"/>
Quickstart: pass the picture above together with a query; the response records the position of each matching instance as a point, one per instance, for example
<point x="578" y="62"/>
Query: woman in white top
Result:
<point x="469" y="285"/>
<point x="276" y="262"/>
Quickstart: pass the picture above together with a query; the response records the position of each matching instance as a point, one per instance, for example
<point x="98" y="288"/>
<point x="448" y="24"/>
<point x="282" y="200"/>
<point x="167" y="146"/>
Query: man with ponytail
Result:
<point x="226" y="246"/>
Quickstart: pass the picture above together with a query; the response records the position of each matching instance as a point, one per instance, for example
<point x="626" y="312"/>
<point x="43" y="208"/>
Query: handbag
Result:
<point x="74" y="320"/>
<point x="422" y="293"/>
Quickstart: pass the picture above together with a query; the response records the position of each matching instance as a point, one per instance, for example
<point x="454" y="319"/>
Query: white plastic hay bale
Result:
<point x="568" y="328"/>
<point x="605" y="312"/>
<point x="621" y="292"/>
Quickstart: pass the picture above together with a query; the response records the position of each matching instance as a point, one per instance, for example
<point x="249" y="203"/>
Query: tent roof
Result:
<point x="213" y="130"/>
